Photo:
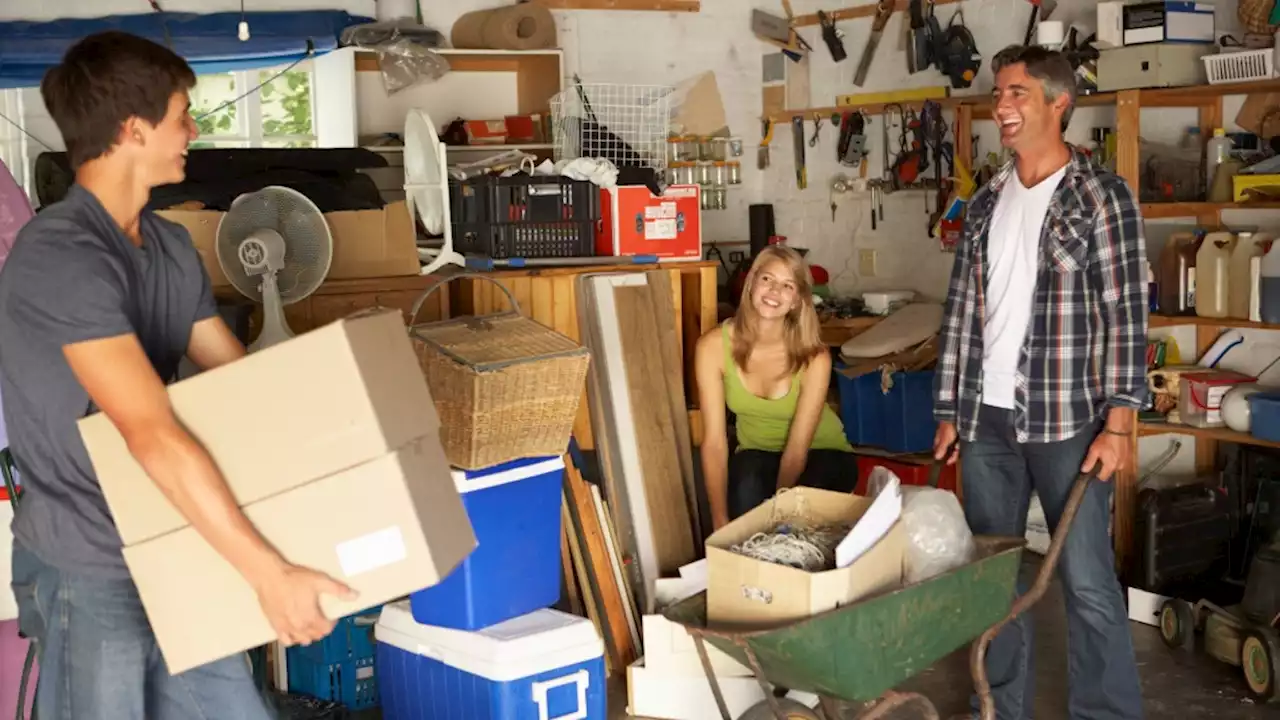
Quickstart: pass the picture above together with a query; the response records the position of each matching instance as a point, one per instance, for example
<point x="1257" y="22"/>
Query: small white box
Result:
<point x="669" y="648"/>
<point x="1168" y="21"/>
<point x="687" y="696"/>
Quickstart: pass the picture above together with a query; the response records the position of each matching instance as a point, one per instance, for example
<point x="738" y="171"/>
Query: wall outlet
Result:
<point x="867" y="263"/>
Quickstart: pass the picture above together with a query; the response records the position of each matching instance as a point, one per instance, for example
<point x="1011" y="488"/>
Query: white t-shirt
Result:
<point x="1013" y="250"/>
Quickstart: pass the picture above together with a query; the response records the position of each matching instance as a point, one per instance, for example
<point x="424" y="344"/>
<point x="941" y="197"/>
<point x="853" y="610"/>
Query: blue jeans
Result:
<point x="999" y="474"/>
<point x="99" y="658"/>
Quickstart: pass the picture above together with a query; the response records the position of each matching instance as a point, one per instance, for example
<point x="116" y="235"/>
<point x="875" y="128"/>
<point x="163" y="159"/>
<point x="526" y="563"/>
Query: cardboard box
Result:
<point x="1168" y="21"/>
<point x="669" y="648"/>
<point x="659" y="694"/>
<point x="366" y="243"/>
<point x="746" y="592"/>
<point x="386" y="528"/>
<point x="330" y="443"/>
<point x="329" y="399"/>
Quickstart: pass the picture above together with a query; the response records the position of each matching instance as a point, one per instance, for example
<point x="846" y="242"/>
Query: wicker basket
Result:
<point x="505" y="386"/>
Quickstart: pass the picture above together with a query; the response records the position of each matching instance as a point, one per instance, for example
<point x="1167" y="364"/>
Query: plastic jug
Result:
<point x="1177" y="275"/>
<point x="1270" y="284"/>
<point x="1241" y="287"/>
<point x="1213" y="274"/>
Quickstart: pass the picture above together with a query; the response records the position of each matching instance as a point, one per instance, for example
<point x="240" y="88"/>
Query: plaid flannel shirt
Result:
<point x="1085" y="346"/>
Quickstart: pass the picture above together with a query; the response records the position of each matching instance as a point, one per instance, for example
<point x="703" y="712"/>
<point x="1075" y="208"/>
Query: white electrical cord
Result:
<point x="810" y="549"/>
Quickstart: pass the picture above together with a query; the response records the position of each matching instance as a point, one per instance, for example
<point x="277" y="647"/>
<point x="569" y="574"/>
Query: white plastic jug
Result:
<point x="1241" y="287"/>
<point x="1213" y="270"/>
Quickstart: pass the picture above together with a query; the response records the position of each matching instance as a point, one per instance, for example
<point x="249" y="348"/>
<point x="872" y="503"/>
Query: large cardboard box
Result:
<point x="387" y="528"/>
<point x="326" y="400"/>
<point x="745" y="592"/>
<point x="366" y="243"/>
<point x="330" y="443"/>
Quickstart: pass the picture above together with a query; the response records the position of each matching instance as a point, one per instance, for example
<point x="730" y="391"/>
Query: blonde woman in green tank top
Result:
<point x="769" y="367"/>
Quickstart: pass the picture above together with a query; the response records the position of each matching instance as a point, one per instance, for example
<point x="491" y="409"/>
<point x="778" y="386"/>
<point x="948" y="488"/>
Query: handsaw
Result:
<point x="884" y="9"/>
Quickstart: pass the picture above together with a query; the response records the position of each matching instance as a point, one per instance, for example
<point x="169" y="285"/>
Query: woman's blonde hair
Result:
<point x="801" y="334"/>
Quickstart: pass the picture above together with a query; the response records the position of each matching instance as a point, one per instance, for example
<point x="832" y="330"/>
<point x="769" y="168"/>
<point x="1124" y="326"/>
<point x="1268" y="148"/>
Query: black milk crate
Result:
<point x="524" y="216"/>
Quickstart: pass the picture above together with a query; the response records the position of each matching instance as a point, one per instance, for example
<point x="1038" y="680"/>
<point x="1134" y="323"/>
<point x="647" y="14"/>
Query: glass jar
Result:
<point x="705" y="200"/>
<point x="673" y="150"/>
<point x="719" y="173"/>
<point x="735" y="172"/>
<point x="706" y="148"/>
<point x="704" y="174"/>
<point x="682" y="173"/>
<point x="719" y="198"/>
<point x="686" y="149"/>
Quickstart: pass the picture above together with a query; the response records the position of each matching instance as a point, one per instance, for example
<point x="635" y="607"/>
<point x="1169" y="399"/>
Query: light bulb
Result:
<point x="244" y="30"/>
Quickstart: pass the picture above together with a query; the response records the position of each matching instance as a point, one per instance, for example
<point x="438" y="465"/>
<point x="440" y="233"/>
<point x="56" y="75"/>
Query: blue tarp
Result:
<point x="208" y="42"/>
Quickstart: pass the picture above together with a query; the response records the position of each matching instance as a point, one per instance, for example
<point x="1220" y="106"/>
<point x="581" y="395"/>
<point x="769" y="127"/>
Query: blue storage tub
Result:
<point x="515" y="569"/>
<point x="341" y="666"/>
<point x="1264" y="415"/>
<point x="898" y="421"/>
<point x="547" y="664"/>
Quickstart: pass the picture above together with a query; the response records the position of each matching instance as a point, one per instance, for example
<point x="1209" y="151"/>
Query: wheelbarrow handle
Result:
<point x="978" y="653"/>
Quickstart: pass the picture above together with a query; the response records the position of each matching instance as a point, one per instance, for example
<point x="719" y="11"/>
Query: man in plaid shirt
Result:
<point x="1042" y="369"/>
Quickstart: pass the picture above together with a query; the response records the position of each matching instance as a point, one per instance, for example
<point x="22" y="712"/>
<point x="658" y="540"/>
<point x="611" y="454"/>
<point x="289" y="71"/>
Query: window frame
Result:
<point x="249" y="121"/>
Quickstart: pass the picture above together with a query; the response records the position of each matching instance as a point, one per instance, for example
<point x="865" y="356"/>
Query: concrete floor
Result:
<point x="1175" y="684"/>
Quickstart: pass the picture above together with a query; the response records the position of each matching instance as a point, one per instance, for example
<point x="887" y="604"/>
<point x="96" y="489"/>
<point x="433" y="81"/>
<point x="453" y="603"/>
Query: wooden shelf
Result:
<point x="1176" y="320"/>
<point x="1193" y="96"/>
<point x="1194" y="209"/>
<point x="1214" y="434"/>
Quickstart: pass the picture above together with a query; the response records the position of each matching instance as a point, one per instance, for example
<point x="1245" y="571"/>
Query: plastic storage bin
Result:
<point x="539" y="666"/>
<point x="524" y="216"/>
<point x="909" y="473"/>
<point x="340" y="667"/>
<point x="515" y="512"/>
<point x="900" y="420"/>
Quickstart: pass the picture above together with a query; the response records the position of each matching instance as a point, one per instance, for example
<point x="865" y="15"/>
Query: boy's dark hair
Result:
<point x="104" y="80"/>
<point x="1050" y="67"/>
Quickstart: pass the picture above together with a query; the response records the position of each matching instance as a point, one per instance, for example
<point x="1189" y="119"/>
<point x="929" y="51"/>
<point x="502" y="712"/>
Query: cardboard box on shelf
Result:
<point x="746" y="592"/>
<point x="330" y="443"/>
<point x="366" y="243"/>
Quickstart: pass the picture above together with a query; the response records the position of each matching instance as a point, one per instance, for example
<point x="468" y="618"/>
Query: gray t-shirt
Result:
<point x="73" y="276"/>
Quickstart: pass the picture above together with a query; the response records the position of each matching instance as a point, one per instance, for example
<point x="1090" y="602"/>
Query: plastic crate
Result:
<point x="900" y="420"/>
<point x="524" y="216"/>
<point x="339" y="668"/>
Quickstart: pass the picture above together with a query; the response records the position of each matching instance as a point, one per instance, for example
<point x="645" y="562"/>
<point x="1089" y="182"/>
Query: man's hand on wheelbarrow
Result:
<point x="944" y="443"/>
<point x="1108" y="454"/>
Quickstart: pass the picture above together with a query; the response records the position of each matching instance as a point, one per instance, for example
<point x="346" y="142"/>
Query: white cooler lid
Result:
<point x="472" y="480"/>
<point x="541" y="641"/>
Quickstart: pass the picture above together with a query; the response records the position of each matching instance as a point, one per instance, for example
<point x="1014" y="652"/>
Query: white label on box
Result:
<point x="660" y="229"/>
<point x="1213" y="405"/>
<point x="370" y="552"/>
<point x="364" y="673"/>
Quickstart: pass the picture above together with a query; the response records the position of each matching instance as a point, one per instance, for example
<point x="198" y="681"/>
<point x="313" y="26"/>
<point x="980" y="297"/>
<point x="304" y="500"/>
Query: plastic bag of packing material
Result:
<point x="938" y="536"/>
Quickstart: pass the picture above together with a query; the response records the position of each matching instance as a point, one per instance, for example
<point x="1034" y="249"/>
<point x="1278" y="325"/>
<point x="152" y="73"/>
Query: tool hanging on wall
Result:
<point x="766" y="137"/>
<point x="956" y="53"/>
<point x="887" y="180"/>
<point x="912" y="160"/>
<point x="852" y="148"/>
<point x="817" y="127"/>
<point x="832" y="37"/>
<point x="884" y="9"/>
<point x="840" y="184"/>
<point x="920" y="45"/>
<point x="797" y="142"/>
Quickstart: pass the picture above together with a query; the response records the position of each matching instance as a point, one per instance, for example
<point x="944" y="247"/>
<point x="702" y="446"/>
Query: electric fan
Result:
<point x="426" y="188"/>
<point x="275" y="248"/>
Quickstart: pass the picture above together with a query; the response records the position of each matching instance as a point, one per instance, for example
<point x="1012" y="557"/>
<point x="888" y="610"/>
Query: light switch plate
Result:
<point x="867" y="263"/>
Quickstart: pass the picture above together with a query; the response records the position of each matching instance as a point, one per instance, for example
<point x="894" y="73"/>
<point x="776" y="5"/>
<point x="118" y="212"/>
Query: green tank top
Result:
<point x="764" y="424"/>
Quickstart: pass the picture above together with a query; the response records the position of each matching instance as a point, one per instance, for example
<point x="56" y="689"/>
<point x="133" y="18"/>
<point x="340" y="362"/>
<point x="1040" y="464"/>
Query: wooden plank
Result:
<point x="537" y="81"/>
<point x="668" y="346"/>
<point x="692" y="6"/>
<point x="1176" y="320"/>
<point x="655" y="437"/>
<point x="1199" y="209"/>
<point x="856" y="12"/>
<point x="964" y="135"/>
<point x="573" y="594"/>
<point x="589" y="592"/>
<point x="1128" y="129"/>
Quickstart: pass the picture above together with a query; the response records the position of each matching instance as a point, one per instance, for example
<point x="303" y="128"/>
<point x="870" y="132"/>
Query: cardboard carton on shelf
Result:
<point x="330" y="444"/>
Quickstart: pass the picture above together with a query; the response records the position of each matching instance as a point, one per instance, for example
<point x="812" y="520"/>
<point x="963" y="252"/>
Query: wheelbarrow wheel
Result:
<point x="1178" y="624"/>
<point x="791" y="710"/>
<point x="1259" y="655"/>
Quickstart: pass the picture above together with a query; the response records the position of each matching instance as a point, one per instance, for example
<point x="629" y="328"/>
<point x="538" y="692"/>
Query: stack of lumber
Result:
<point x="641" y="523"/>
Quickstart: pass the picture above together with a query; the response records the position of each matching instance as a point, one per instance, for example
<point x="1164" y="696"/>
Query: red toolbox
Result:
<point x="909" y="473"/>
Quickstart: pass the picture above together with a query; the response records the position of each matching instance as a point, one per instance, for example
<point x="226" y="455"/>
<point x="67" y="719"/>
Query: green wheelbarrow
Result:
<point x="857" y="654"/>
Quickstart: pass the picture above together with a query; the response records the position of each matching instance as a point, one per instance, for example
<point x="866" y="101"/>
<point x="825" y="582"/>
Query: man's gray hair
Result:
<point x="1050" y="67"/>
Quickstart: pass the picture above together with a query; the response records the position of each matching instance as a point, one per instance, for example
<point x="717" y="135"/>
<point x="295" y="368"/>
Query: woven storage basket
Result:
<point x="505" y="386"/>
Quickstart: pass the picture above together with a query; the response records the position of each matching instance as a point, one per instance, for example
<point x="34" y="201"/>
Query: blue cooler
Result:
<point x="544" y="665"/>
<point x="515" y="513"/>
